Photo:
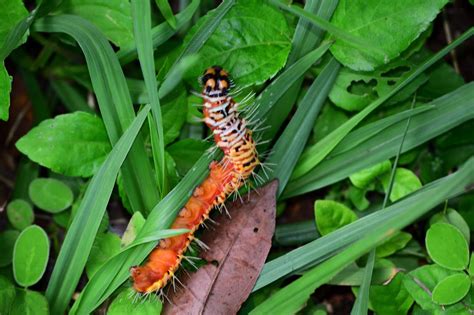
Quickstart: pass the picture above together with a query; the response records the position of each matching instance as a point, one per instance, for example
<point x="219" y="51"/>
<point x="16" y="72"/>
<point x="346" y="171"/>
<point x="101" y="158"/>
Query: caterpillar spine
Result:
<point x="233" y="137"/>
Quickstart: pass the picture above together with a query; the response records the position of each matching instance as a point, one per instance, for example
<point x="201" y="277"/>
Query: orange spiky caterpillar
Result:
<point x="225" y="177"/>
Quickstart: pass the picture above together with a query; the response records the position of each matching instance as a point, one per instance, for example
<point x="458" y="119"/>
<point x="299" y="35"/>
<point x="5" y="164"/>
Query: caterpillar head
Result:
<point x="215" y="82"/>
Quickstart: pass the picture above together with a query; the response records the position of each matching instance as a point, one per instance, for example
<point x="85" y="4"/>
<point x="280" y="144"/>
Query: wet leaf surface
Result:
<point x="238" y="249"/>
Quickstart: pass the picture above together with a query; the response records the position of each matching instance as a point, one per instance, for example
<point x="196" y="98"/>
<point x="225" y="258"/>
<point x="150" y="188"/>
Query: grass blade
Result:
<point x="280" y="85"/>
<point x="114" y="101"/>
<point x="325" y="25"/>
<point x="166" y="11"/>
<point x="296" y="134"/>
<point x="291" y="298"/>
<point x="141" y="14"/>
<point x="160" y="33"/>
<point x="81" y="234"/>
<point x="446" y="112"/>
<point x="70" y="97"/>
<point x="316" y="153"/>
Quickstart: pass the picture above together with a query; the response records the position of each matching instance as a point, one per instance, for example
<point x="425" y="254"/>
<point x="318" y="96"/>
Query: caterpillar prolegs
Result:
<point x="231" y="135"/>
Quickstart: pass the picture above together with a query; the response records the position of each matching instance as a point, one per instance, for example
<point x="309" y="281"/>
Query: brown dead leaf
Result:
<point x="238" y="249"/>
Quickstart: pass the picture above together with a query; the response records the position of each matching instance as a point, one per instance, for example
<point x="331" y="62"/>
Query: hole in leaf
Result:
<point x="360" y="87"/>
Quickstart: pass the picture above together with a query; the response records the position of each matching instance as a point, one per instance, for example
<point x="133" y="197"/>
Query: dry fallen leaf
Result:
<point x="238" y="249"/>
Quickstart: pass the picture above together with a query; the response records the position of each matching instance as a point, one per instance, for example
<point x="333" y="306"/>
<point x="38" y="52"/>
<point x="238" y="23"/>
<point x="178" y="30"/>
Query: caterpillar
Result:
<point x="233" y="137"/>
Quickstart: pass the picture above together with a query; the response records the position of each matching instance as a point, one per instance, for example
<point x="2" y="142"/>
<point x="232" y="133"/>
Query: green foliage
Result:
<point x="30" y="255"/>
<point x="392" y="298"/>
<point x="7" y="243"/>
<point x="105" y="246"/>
<point x="50" y="194"/>
<point x="20" y="214"/>
<point x="73" y="144"/>
<point x="405" y="182"/>
<point x="447" y="246"/>
<point x="329" y="97"/>
<point x="123" y="304"/>
<point x="251" y="30"/>
<point x="331" y="215"/>
<point x="29" y="303"/>
<point x="5" y="88"/>
<point x="7" y="295"/>
<point x="118" y="24"/>
<point x="451" y="289"/>
<point x="373" y="21"/>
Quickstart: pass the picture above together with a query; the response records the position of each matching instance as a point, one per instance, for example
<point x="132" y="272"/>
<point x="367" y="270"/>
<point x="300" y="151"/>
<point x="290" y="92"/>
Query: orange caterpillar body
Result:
<point x="227" y="176"/>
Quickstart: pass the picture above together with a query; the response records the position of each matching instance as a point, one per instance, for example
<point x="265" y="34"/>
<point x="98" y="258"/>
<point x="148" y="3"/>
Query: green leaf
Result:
<point x="316" y="153"/>
<point x="421" y="282"/>
<point x="296" y="134"/>
<point x="165" y="9"/>
<point x="7" y="243"/>
<point x="142" y="34"/>
<point x="134" y="226"/>
<point x="29" y="303"/>
<point x="112" y="17"/>
<point x="114" y="102"/>
<point x="174" y="115"/>
<point x="358" y="199"/>
<point x="362" y="179"/>
<point x="30" y="255"/>
<point x="20" y="214"/>
<point x="380" y="140"/>
<point x="7" y="295"/>
<point x="384" y="222"/>
<point x="50" y="194"/>
<point x="330" y="118"/>
<point x="5" y="88"/>
<point x="353" y="90"/>
<point x="12" y="28"/>
<point x="405" y="182"/>
<point x="453" y="217"/>
<point x="187" y="152"/>
<point x="251" y="42"/>
<point x="447" y="246"/>
<point x="73" y="144"/>
<point x="374" y="22"/>
<point x="81" y="234"/>
<point x="125" y="303"/>
<point x="451" y="289"/>
<point x="471" y="265"/>
<point x="331" y="215"/>
<point x="105" y="246"/>
<point x="391" y="299"/>
<point x="393" y="244"/>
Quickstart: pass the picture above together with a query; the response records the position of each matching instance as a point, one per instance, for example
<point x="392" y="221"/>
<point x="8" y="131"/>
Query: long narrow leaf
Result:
<point x="141" y="14"/>
<point x="446" y="112"/>
<point x="295" y="135"/>
<point x="114" y="101"/>
<point x="291" y="298"/>
<point x="81" y="234"/>
<point x="160" y="33"/>
<point x="316" y="153"/>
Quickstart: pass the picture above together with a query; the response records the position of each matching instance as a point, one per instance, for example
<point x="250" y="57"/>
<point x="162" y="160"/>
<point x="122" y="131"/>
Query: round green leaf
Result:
<point x="373" y="21"/>
<point x="29" y="303"/>
<point x="365" y="177"/>
<point x="7" y="295"/>
<point x="447" y="246"/>
<point x="7" y="242"/>
<point x="30" y="255"/>
<point x="392" y="298"/>
<point x="251" y="42"/>
<point x="20" y="214"/>
<point x="124" y="304"/>
<point x="73" y="144"/>
<point x="393" y="244"/>
<point x="134" y="226"/>
<point x="451" y="289"/>
<point x="405" y="182"/>
<point x="50" y="194"/>
<point x="331" y="215"/>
